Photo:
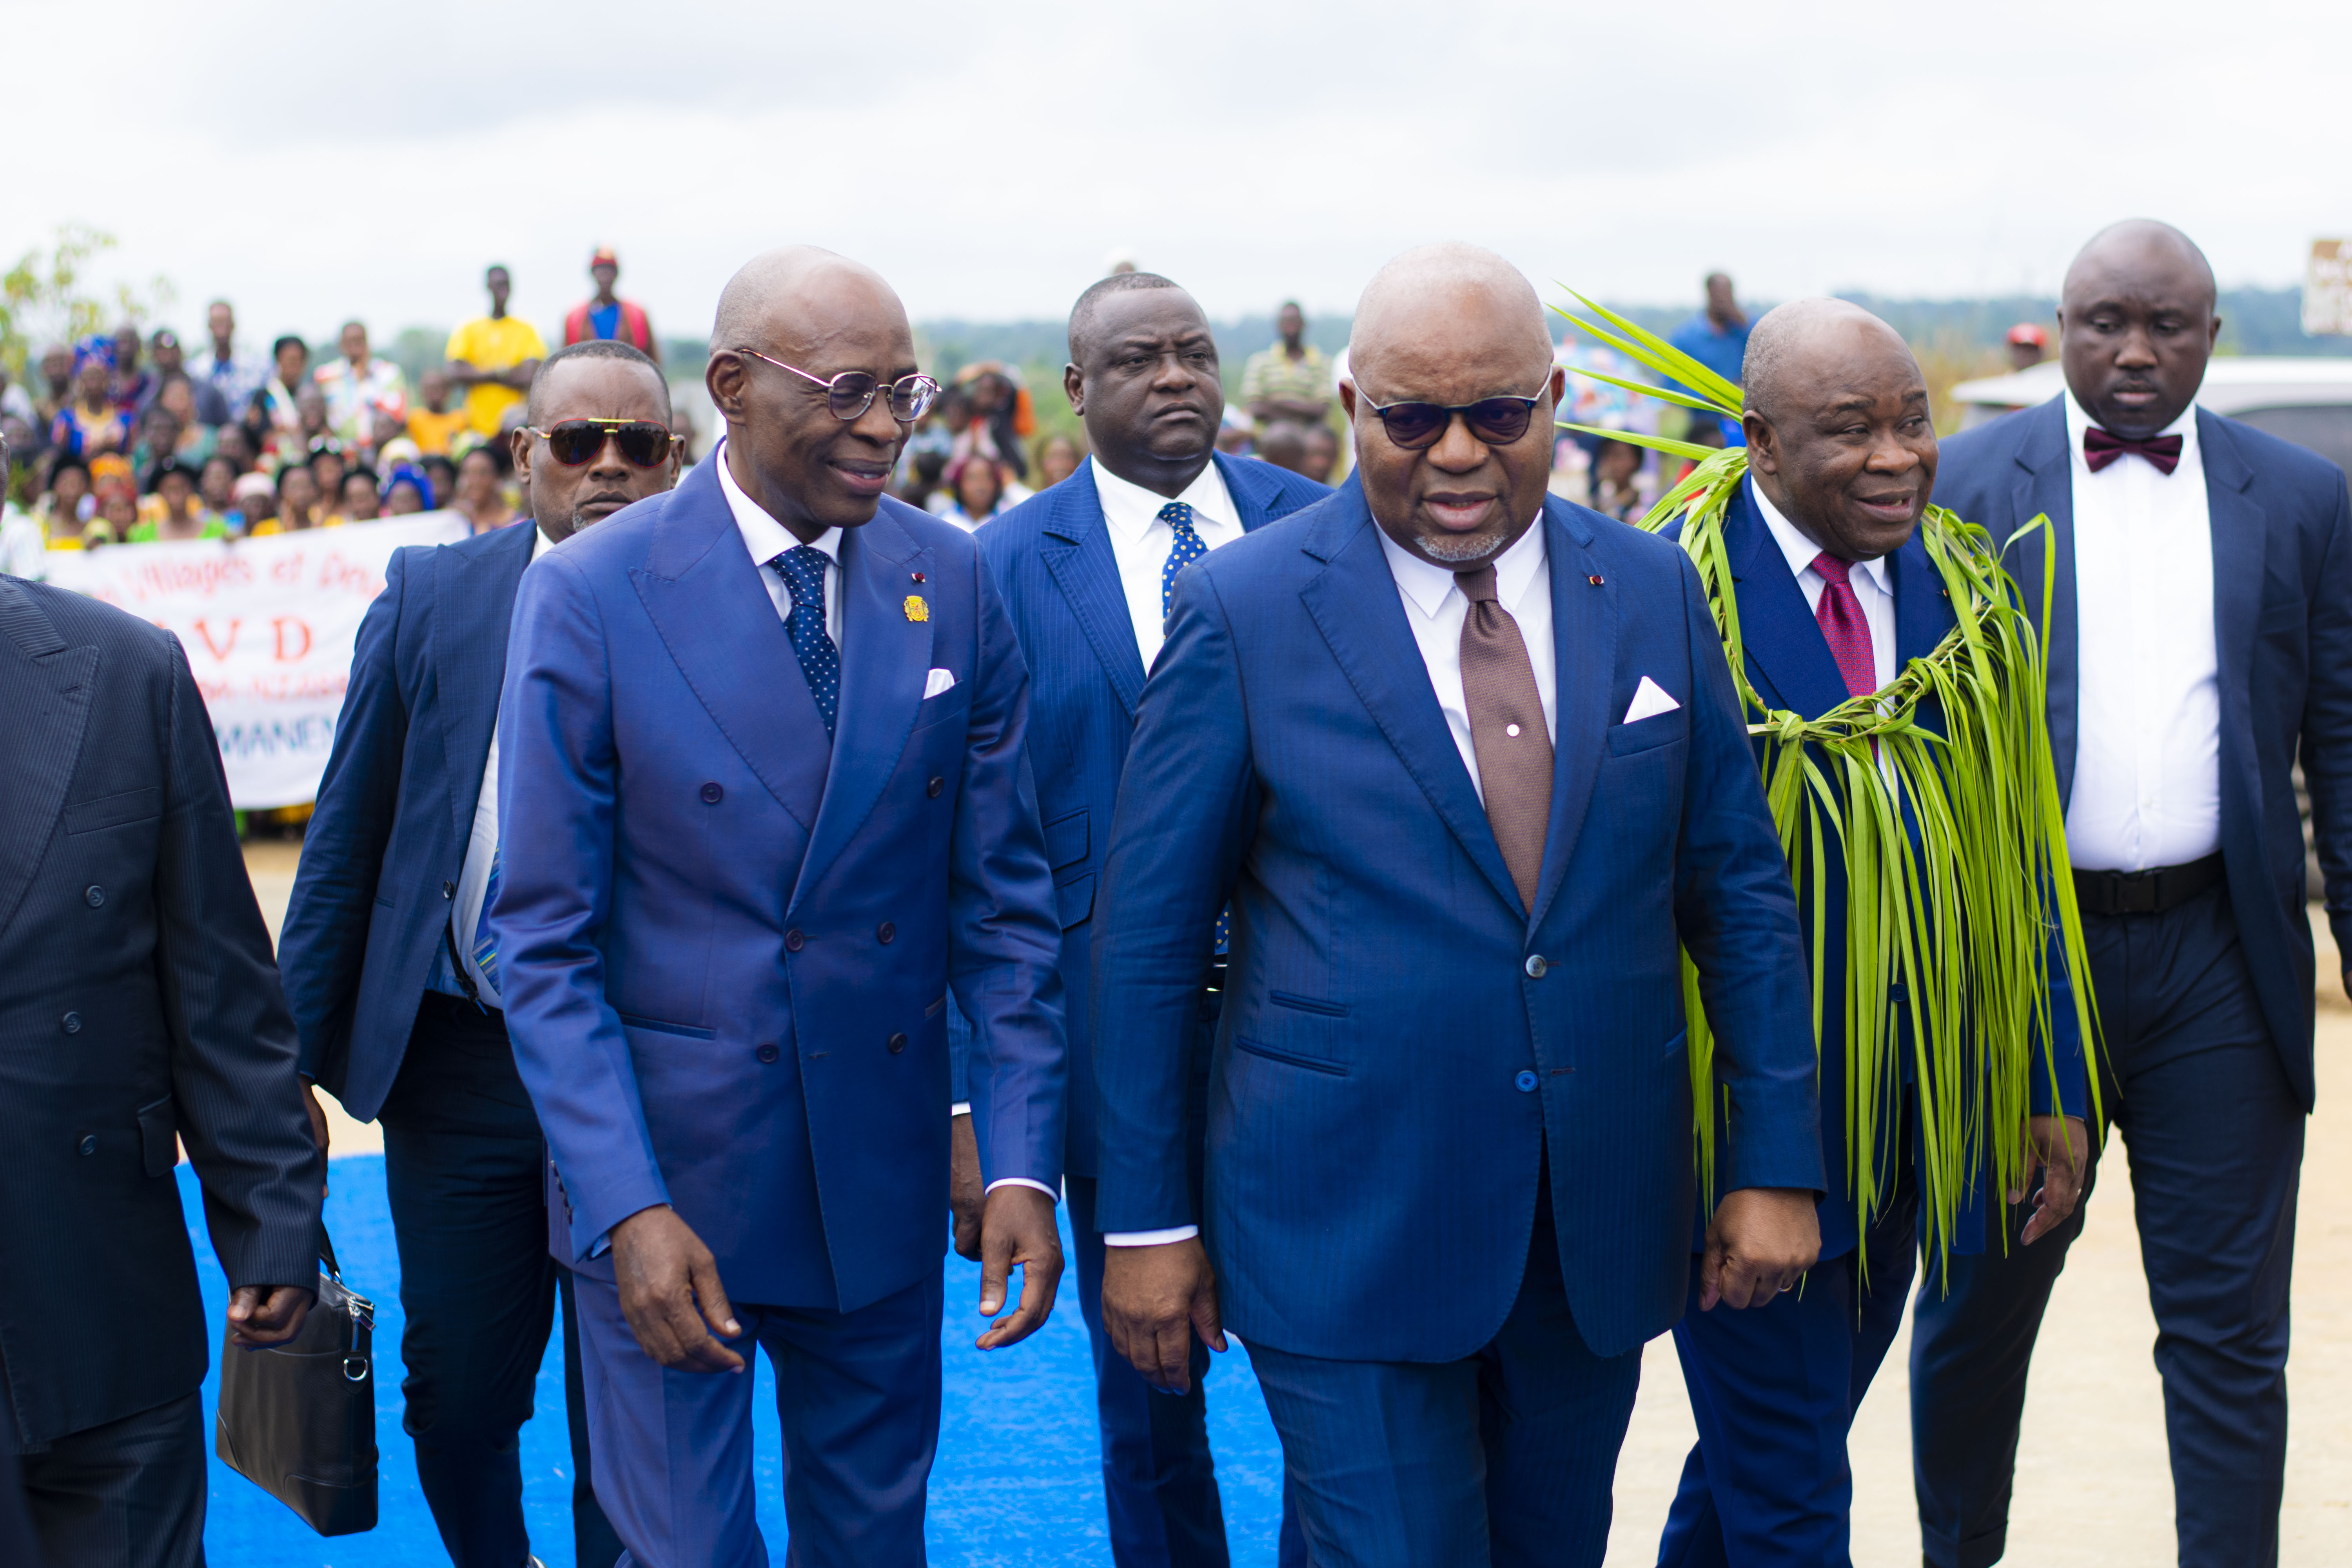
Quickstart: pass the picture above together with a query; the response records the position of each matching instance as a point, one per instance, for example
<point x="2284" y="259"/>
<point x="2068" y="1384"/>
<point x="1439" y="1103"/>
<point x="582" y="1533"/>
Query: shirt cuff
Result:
<point x="1151" y="1238"/>
<point x="961" y="1108"/>
<point x="1023" y="1182"/>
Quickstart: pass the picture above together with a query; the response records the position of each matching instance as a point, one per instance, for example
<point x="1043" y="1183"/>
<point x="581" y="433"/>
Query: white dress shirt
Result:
<point x="1139" y="541"/>
<point x="766" y="539"/>
<point x="1435" y="608"/>
<point x="1872" y="581"/>
<point x="2148" y="749"/>
<point x="481" y="849"/>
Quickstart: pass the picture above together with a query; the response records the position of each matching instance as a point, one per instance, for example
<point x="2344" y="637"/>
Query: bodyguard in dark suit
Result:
<point x="1836" y="596"/>
<point x="1086" y="569"/>
<point x="766" y="800"/>
<point x="138" y="1004"/>
<point x="2200" y="641"/>
<point x="1467" y="763"/>
<point x="399" y="1018"/>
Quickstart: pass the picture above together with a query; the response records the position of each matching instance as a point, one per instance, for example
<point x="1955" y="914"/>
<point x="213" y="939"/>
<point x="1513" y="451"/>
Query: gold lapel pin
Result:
<point x="917" y="610"/>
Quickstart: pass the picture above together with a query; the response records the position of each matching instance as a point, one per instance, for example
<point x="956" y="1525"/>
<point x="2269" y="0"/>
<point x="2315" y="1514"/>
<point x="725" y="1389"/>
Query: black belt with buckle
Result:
<point x="2155" y="892"/>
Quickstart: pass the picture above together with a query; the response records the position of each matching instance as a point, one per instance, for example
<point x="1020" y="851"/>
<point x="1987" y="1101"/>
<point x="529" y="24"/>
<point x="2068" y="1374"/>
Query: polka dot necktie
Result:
<point x="1184" y="549"/>
<point x="803" y="570"/>
<point x="1843" y="625"/>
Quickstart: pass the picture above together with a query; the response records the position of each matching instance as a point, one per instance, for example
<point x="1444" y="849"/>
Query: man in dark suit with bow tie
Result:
<point x="2200" y="641"/>
<point x="1088" y="569"/>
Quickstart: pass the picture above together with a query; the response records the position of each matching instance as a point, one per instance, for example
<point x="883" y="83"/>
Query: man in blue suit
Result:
<point x="1087" y="570"/>
<point x="396" y="1016"/>
<point x="1836" y="596"/>
<point x="766" y="802"/>
<point x="1467" y="764"/>
<point x="2200" y="642"/>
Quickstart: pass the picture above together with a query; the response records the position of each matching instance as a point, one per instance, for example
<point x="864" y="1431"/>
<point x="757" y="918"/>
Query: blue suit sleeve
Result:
<point x="2060" y="1060"/>
<point x="323" y="944"/>
<point x="556" y="758"/>
<point x="1736" y="912"/>
<point x="1004" y="938"/>
<point x="2326" y="749"/>
<point x="1187" y="805"/>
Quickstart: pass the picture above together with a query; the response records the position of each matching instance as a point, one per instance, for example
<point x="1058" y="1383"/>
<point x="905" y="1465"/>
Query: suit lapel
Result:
<point x="1078" y="555"/>
<point x="43" y="708"/>
<point x="1923" y="606"/>
<point x="1584" y="654"/>
<point x="2240" y="533"/>
<point x="702" y="591"/>
<point x="1253" y="486"/>
<point x="473" y="603"/>
<point x="1789" y="662"/>
<point x="2045" y="485"/>
<point x="1354" y="603"/>
<point x="886" y="654"/>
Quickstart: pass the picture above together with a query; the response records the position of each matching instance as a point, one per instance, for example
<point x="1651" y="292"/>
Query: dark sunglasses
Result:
<point x="1496" y="421"/>
<point x="851" y="394"/>
<point x="572" y="442"/>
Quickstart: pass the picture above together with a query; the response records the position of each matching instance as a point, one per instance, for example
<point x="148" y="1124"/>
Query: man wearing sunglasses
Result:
<point x="766" y="802"/>
<point x="396" y="986"/>
<point x="1466" y="763"/>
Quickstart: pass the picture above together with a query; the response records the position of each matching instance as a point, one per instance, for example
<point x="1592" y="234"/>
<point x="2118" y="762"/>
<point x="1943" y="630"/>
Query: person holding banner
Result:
<point x="400" y="1012"/>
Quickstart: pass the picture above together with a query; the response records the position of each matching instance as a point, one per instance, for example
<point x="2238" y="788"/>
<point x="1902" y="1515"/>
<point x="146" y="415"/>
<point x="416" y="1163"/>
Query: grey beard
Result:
<point x="1458" y="547"/>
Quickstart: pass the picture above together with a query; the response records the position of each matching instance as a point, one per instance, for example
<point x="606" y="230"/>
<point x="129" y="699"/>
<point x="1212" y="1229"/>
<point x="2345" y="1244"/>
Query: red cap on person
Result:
<point x="2027" y="332"/>
<point x="603" y="257"/>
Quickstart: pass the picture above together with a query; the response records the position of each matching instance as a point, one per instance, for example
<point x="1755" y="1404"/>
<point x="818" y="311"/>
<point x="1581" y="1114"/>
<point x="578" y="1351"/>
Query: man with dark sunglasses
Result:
<point x="765" y="801"/>
<point x="395" y="982"/>
<point x="1465" y="762"/>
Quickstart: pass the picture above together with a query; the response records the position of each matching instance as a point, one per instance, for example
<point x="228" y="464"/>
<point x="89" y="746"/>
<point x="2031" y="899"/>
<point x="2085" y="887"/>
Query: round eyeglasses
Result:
<point x="849" y="394"/>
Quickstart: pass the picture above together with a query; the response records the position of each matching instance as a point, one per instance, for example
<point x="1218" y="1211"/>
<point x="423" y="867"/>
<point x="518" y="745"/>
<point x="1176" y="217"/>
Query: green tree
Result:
<point x="49" y="296"/>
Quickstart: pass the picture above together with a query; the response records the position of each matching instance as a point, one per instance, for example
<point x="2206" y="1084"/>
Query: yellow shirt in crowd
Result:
<point x="433" y="432"/>
<point x="488" y="342"/>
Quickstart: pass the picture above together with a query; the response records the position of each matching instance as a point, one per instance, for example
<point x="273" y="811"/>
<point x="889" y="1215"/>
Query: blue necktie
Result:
<point x="803" y="570"/>
<point x="486" y="941"/>
<point x="1185" y="549"/>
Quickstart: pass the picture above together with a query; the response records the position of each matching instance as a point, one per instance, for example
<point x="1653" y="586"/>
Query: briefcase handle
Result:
<point x="327" y="1254"/>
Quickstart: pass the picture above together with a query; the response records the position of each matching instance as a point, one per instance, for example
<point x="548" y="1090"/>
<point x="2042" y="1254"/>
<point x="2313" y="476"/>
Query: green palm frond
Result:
<point x="1952" y="839"/>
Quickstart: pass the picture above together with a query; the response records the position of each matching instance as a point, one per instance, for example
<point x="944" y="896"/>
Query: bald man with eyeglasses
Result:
<point x="397" y="1003"/>
<point x="764" y="802"/>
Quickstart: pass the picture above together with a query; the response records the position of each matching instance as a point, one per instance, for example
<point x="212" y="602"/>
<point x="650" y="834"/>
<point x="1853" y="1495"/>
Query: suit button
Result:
<point x="448" y="889"/>
<point x="933" y="788"/>
<point x="1526" y="1081"/>
<point x="898" y="1044"/>
<point x="712" y="795"/>
<point x="94" y="895"/>
<point x="794" y="941"/>
<point x="70" y="1022"/>
<point x="767" y="1052"/>
<point x="887" y="932"/>
<point x="88" y="1144"/>
<point x="1538" y="966"/>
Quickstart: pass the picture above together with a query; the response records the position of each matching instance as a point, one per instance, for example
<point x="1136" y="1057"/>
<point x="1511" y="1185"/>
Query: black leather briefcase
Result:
<point x="298" y="1420"/>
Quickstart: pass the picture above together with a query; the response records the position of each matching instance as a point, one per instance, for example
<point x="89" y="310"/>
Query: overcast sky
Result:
<point x="319" y="160"/>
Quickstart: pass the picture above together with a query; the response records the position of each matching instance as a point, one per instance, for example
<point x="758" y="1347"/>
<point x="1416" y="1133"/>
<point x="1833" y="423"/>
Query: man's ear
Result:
<point x="1348" y="399"/>
<point x="1763" y="450"/>
<point x="519" y="444"/>
<point x="723" y="379"/>
<point x="1074" y="387"/>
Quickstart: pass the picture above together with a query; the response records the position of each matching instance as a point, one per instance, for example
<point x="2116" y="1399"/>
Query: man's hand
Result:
<point x="318" y="1130"/>
<point x="670" y="1289"/>
<point x="966" y="1194"/>
<point x="1762" y="1240"/>
<point x="2059" y="1147"/>
<point x="1016" y="1227"/>
<point x="262" y="1315"/>
<point x="1154" y="1299"/>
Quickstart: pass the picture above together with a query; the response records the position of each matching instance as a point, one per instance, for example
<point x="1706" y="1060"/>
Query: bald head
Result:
<point x="2136" y="323"/>
<point x="1795" y="343"/>
<point x="1440" y="301"/>
<point x="797" y="285"/>
<point x="2138" y="244"/>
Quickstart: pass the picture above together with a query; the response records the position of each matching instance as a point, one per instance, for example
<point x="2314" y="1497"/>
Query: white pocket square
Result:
<point x="942" y="680"/>
<point x="1650" y="699"/>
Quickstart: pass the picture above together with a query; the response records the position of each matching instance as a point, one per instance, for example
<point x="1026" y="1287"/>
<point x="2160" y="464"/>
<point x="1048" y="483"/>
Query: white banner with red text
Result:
<point x="268" y="624"/>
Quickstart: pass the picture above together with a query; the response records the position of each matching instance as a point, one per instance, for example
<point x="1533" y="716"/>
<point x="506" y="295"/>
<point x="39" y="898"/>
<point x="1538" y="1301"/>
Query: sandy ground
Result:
<point x="2092" y="1486"/>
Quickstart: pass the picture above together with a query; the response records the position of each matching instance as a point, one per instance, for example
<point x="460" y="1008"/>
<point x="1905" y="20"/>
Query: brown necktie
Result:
<point x="1506" y="731"/>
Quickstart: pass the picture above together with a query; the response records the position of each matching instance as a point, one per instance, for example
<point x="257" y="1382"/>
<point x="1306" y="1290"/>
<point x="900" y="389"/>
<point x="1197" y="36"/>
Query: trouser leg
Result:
<point x="464" y="1164"/>
<point x="593" y="1542"/>
<point x="130" y="1494"/>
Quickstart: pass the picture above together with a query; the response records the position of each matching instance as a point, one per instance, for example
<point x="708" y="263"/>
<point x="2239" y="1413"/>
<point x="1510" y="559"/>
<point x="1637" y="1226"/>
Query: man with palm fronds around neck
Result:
<point x="1836" y="595"/>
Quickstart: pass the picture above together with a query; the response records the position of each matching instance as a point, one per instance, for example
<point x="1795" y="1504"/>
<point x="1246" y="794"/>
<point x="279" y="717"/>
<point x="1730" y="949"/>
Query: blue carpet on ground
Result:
<point x="1018" y="1477"/>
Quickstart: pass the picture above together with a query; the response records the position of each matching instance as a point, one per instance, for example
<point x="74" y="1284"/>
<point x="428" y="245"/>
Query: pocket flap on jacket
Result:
<point x="114" y="810"/>
<point x="159" y="1136"/>
<point x="1065" y="840"/>
<point x="1076" y="901"/>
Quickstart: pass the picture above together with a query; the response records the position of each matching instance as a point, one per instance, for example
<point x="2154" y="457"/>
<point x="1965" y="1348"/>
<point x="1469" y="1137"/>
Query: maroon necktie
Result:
<point x="1506" y="729"/>
<point x="1839" y="617"/>
<point x="2101" y="447"/>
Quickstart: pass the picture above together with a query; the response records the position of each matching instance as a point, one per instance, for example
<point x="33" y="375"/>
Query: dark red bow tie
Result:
<point x="2101" y="447"/>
